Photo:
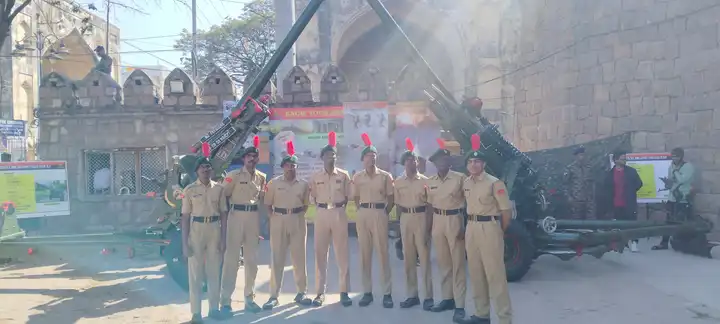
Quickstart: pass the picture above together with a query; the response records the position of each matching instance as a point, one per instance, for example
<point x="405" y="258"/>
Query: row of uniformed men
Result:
<point x="432" y="207"/>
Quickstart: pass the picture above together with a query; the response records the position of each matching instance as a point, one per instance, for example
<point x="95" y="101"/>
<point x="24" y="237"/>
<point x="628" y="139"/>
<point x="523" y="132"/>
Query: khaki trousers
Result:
<point x="331" y="225"/>
<point x="288" y="232"/>
<point x="416" y="243"/>
<point x="450" y="254"/>
<point x="485" y="252"/>
<point x="243" y="231"/>
<point x="204" y="264"/>
<point x="372" y="230"/>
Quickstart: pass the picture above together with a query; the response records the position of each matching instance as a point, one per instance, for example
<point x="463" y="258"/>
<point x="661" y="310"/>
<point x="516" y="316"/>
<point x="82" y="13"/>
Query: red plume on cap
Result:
<point x="290" y="148"/>
<point x="366" y="139"/>
<point x="332" y="139"/>
<point x="475" y="141"/>
<point x="409" y="145"/>
<point x="256" y="141"/>
<point x="206" y="149"/>
<point x="441" y="143"/>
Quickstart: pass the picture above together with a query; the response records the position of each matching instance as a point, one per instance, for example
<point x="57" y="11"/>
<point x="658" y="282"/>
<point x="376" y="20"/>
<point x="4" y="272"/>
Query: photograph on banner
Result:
<point x="650" y="167"/>
<point x="37" y="189"/>
<point x="308" y="129"/>
<point x="371" y="118"/>
<point x="415" y="121"/>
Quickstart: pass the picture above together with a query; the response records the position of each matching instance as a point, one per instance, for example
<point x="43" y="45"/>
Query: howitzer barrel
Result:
<point x="605" y="237"/>
<point x="604" y="224"/>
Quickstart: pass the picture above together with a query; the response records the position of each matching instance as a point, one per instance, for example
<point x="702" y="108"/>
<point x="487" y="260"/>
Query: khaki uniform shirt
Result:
<point x="281" y="193"/>
<point x="330" y="188"/>
<point x="486" y="195"/>
<point x="375" y="189"/>
<point x="447" y="193"/>
<point x="411" y="192"/>
<point x="245" y="188"/>
<point x="200" y="200"/>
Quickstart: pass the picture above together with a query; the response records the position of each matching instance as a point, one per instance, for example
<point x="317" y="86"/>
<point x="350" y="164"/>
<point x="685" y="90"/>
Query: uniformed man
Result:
<point x="330" y="190"/>
<point x="287" y="199"/>
<point x="415" y="225"/>
<point x="580" y="186"/>
<point x="489" y="213"/>
<point x="445" y="194"/>
<point x="373" y="195"/>
<point x="204" y="223"/>
<point x="244" y="187"/>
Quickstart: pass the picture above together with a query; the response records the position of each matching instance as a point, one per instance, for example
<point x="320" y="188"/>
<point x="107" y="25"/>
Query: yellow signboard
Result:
<point x="647" y="175"/>
<point x="19" y="189"/>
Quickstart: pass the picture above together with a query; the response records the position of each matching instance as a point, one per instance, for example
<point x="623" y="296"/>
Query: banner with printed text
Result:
<point x="650" y="167"/>
<point x="37" y="189"/>
<point x="307" y="128"/>
<point x="371" y="118"/>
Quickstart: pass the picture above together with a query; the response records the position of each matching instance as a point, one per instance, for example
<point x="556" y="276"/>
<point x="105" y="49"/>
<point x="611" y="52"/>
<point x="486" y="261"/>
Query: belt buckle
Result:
<point x="330" y="206"/>
<point x="206" y="220"/>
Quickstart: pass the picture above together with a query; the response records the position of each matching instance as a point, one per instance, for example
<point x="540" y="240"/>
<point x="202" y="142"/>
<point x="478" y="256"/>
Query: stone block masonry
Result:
<point x="599" y="68"/>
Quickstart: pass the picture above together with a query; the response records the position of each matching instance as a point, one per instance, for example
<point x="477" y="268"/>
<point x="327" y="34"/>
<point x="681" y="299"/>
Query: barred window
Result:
<point x="123" y="171"/>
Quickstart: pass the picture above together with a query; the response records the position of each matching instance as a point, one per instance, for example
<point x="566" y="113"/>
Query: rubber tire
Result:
<point x="517" y="237"/>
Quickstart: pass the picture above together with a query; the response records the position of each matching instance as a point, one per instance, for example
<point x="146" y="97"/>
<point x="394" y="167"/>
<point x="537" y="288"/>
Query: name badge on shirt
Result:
<point x="244" y="182"/>
<point x="320" y="183"/>
<point x="433" y="188"/>
<point x="466" y="189"/>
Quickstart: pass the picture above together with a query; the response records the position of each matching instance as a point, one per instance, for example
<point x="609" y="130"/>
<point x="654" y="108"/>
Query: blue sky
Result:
<point x="157" y="32"/>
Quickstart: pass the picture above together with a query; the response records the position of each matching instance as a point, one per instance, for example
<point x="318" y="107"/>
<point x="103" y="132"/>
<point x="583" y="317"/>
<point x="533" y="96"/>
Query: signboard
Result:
<point x="12" y="127"/>
<point x="650" y="167"/>
<point x="307" y="128"/>
<point x="371" y="118"/>
<point x="38" y="188"/>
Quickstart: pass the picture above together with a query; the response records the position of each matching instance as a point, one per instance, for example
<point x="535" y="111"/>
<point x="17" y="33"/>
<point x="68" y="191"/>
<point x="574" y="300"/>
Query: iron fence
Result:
<point x="123" y="171"/>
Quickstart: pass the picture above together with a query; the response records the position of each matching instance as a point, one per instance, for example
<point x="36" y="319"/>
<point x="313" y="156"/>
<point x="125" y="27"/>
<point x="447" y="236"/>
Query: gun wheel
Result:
<point x="519" y="251"/>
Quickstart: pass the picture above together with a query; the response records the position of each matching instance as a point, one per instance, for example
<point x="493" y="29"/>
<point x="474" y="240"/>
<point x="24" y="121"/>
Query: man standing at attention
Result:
<point x="489" y="214"/>
<point x="287" y="199"/>
<point x="445" y="194"/>
<point x="330" y="189"/>
<point x="415" y="224"/>
<point x="204" y="224"/>
<point x="679" y="181"/>
<point x="580" y="187"/>
<point x="244" y="187"/>
<point x="621" y="184"/>
<point x="373" y="195"/>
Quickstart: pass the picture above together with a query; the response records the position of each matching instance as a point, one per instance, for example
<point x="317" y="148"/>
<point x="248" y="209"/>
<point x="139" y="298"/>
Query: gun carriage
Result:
<point x="532" y="232"/>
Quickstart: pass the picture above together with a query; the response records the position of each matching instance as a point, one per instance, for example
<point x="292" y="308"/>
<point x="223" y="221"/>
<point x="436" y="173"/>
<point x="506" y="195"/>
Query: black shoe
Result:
<point x="366" y="300"/>
<point x="428" y="304"/>
<point x="387" y="301"/>
<point x="219" y="315"/>
<point x="443" y="305"/>
<point x="345" y="300"/>
<point x="271" y="303"/>
<point x="227" y="309"/>
<point x="319" y="300"/>
<point x="410" y="302"/>
<point x="302" y="299"/>
<point x="660" y="247"/>
<point x="196" y="319"/>
<point x="476" y="320"/>
<point x="252" y="307"/>
<point x="459" y="315"/>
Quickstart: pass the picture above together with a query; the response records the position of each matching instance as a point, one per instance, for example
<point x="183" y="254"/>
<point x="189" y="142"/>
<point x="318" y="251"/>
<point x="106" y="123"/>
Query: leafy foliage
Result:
<point x="239" y="46"/>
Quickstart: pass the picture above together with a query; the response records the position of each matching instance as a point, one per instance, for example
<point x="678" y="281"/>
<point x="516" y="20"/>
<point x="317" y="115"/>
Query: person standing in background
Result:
<point x="681" y="175"/>
<point x="580" y="187"/>
<point x="621" y="184"/>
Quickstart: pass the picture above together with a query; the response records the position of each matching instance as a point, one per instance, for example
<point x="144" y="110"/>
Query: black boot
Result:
<point x="251" y="306"/>
<point x="476" y="320"/>
<point x="345" y="300"/>
<point x="388" y="302"/>
<point x="319" y="300"/>
<point x="410" y="302"/>
<point x="428" y="304"/>
<point x="271" y="303"/>
<point x="196" y="319"/>
<point x="443" y="305"/>
<point x="226" y="309"/>
<point x="366" y="300"/>
<point x="302" y="299"/>
<point x="459" y="315"/>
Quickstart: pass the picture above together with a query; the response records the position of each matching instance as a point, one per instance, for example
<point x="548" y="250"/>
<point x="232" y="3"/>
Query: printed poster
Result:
<point x="371" y="118"/>
<point x="307" y="128"/>
<point x="650" y="167"/>
<point x="38" y="189"/>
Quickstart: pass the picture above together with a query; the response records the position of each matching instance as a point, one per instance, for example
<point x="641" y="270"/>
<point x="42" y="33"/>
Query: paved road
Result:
<point x="646" y="287"/>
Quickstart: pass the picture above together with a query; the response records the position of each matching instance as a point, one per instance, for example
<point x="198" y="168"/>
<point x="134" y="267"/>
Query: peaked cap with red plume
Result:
<point x="332" y="144"/>
<point x="290" y="157"/>
<point x="369" y="147"/>
<point x="409" y="153"/>
<point x="255" y="149"/>
<point x="441" y="151"/>
<point x="476" y="152"/>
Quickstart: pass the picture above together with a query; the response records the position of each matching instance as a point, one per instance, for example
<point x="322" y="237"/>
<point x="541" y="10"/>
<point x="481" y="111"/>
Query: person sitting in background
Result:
<point x="679" y="181"/>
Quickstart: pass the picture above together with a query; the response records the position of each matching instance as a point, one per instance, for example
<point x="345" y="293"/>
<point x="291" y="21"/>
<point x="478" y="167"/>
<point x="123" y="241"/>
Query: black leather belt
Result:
<point x="203" y="219"/>
<point x="288" y="211"/>
<point x="337" y="205"/>
<point x="482" y="218"/>
<point x="373" y="205"/>
<point x="414" y="210"/>
<point x="447" y="212"/>
<point x="247" y="208"/>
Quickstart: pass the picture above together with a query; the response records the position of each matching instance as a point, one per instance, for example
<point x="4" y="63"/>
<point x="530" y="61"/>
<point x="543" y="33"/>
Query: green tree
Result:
<point x="239" y="46"/>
